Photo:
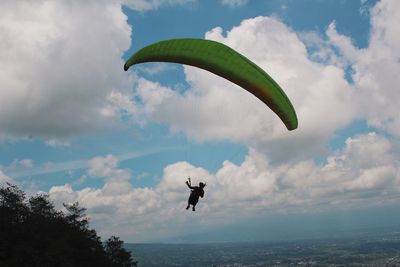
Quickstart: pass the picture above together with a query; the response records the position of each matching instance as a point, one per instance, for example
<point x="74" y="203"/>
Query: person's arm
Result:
<point x="202" y="193"/>
<point x="187" y="183"/>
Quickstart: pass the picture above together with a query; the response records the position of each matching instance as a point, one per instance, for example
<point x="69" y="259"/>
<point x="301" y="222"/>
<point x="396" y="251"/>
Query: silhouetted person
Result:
<point x="197" y="191"/>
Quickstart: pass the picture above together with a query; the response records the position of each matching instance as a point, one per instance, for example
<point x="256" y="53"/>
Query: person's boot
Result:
<point x="193" y="208"/>
<point x="188" y="206"/>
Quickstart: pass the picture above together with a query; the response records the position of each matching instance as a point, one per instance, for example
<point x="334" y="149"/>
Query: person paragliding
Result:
<point x="197" y="191"/>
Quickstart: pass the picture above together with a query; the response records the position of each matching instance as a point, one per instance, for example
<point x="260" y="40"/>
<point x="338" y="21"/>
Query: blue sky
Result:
<point x="75" y="125"/>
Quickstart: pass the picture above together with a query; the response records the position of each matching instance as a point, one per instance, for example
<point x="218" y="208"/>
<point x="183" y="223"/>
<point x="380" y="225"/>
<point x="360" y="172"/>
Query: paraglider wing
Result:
<point x="225" y="62"/>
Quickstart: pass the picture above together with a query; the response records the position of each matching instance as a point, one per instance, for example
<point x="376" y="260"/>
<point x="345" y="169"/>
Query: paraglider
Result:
<point x="225" y="62"/>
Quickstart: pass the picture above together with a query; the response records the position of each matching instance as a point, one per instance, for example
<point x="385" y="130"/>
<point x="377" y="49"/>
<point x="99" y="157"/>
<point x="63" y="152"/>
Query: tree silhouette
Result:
<point x="117" y="254"/>
<point x="34" y="233"/>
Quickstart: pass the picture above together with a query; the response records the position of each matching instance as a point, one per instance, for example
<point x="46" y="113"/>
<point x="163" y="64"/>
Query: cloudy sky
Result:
<point x="74" y="125"/>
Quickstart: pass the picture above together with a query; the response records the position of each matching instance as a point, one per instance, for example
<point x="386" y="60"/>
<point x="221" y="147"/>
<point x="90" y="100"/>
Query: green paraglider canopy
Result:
<point x="225" y="62"/>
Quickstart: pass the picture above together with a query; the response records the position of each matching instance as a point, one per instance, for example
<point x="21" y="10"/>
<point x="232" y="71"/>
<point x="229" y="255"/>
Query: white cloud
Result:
<point x="144" y="5"/>
<point x="155" y="68"/>
<point x="107" y="167"/>
<point x="57" y="143"/>
<point x="80" y="180"/>
<point x="24" y="163"/>
<point x="364" y="173"/>
<point x="27" y="163"/>
<point x="61" y="61"/>
<point x="120" y="208"/>
<point x="376" y="67"/>
<point x="234" y="3"/>
<point x="17" y="165"/>
<point x="5" y="179"/>
<point x="15" y="170"/>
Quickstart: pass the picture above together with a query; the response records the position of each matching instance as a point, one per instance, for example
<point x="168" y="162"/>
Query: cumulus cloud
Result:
<point x="364" y="173"/>
<point x="376" y="67"/>
<point x="234" y="3"/>
<point x="61" y="64"/>
<point x="120" y="206"/>
<point x="107" y="167"/>
<point x="144" y="5"/>
<point x="212" y="108"/>
<point x="217" y="109"/>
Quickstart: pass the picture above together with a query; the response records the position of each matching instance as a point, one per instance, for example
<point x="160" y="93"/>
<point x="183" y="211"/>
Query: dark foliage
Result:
<point x="34" y="233"/>
<point x="116" y="253"/>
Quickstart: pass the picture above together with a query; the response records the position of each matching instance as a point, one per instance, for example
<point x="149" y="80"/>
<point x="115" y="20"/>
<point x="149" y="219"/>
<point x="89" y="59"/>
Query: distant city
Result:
<point x="374" y="250"/>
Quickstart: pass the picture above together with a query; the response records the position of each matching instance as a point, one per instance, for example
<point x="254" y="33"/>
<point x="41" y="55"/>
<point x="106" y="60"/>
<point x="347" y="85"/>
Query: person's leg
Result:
<point x="193" y="207"/>
<point x="188" y="206"/>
